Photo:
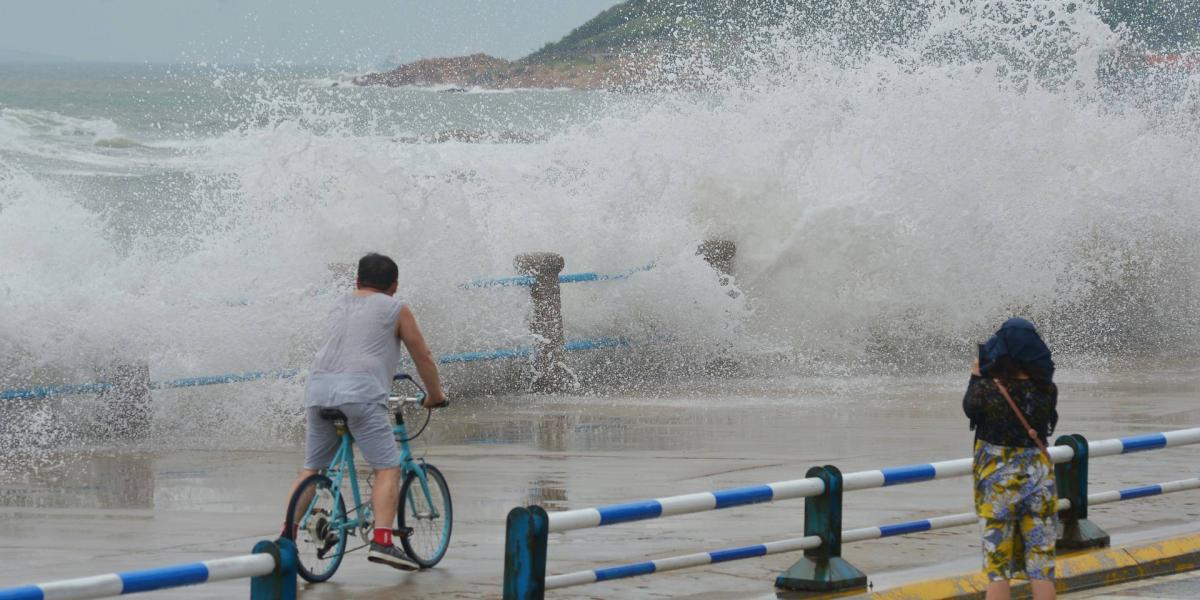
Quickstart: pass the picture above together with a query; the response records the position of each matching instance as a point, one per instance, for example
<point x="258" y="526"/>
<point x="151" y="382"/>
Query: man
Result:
<point x="352" y="372"/>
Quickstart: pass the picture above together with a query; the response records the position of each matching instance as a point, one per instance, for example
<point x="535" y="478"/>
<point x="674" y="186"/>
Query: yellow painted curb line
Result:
<point x="1108" y="566"/>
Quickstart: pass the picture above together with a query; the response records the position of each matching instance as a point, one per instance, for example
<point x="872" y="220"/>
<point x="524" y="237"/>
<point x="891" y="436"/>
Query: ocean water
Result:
<point x="891" y="203"/>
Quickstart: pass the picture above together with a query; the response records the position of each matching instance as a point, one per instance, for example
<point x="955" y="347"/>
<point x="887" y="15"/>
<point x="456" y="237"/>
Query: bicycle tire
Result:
<point x="430" y="538"/>
<point x="312" y="564"/>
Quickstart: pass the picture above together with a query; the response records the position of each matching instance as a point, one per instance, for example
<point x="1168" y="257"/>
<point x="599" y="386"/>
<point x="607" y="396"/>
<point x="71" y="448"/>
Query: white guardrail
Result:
<point x="528" y="527"/>
<point x="271" y="567"/>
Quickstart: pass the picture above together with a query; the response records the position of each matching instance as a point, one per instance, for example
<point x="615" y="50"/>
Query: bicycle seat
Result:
<point x="332" y="414"/>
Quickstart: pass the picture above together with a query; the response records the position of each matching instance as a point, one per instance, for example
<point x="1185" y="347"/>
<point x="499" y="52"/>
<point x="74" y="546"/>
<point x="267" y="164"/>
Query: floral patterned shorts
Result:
<point x="1017" y="504"/>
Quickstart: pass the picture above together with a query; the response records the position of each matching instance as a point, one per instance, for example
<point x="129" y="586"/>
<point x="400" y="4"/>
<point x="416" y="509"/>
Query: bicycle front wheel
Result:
<point x="313" y="515"/>
<point x="428" y="511"/>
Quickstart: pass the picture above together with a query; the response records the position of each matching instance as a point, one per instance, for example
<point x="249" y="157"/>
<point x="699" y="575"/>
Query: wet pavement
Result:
<point x="1185" y="586"/>
<point x="78" y="513"/>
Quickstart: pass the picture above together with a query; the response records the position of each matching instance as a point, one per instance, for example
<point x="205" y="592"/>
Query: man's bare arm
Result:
<point x="409" y="333"/>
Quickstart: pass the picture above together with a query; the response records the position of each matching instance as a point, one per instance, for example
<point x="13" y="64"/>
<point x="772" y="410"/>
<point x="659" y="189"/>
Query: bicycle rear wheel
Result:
<point x="312" y="512"/>
<point x="430" y="515"/>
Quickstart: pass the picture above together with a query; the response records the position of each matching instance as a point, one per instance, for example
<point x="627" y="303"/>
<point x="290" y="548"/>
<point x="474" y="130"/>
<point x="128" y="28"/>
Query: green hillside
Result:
<point x="621" y="46"/>
<point x="662" y="24"/>
<point x="656" y="24"/>
<point x="1161" y="25"/>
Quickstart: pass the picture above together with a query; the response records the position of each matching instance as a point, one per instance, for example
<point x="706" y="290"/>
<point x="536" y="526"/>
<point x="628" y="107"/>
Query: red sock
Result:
<point x="383" y="536"/>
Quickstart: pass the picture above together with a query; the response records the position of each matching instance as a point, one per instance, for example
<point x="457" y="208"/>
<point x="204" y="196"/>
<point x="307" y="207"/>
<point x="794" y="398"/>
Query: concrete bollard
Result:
<point x="126" y="401"/>
<point x="546" y="322"/>
<point x="719" y="254"/>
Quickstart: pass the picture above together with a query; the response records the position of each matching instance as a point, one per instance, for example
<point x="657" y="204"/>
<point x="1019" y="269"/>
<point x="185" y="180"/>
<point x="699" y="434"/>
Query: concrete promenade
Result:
<point x="1184" y="586"/>
<point x="77" y="513"/>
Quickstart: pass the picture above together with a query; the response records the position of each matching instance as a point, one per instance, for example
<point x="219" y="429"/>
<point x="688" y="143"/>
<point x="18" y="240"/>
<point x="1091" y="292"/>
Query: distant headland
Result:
<point x="626" y="45"/>
<point x="620" y="47"/>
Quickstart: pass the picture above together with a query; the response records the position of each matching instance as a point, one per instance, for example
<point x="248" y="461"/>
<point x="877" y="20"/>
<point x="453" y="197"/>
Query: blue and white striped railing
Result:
<point x="569" y="520"/>
<point x="854" y="535"/>
<point x="642" y="510"/>
<point x="275" y="560"/>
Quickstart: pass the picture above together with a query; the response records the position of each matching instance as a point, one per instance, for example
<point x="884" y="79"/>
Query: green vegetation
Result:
<point x="1166" y="25"/>
<point x="662" y="24"/>
<point x="622" y="46"/>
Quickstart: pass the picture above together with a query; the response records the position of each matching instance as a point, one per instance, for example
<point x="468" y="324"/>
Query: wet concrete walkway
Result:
<point x="1185" y="586"/>
<point x="71" y="514"/>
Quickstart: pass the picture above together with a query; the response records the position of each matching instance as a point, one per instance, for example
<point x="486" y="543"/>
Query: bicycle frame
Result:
<point x="343" y="463"/>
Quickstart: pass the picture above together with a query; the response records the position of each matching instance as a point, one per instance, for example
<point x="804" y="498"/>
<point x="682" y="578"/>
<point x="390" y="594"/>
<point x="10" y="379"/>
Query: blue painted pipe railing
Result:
<point x="57" y="390"/>
<point x="528" y="280"/>
<point x="461" y="357"/>
<point x="271" y="569"/>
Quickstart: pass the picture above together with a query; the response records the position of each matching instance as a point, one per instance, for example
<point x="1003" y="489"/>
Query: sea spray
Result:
<point x="892" y="199"/>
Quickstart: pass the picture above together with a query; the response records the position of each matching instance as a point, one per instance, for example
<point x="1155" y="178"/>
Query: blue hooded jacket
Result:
<point x="1019" y="340"/>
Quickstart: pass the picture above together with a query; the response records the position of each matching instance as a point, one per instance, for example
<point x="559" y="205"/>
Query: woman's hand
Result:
<point x="975" y="367"/>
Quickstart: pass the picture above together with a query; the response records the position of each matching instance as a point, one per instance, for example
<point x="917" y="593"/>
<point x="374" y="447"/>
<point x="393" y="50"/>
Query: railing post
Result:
<point x="280" y="584"/>
<point x="822" y="569"/>
<point x="719" y="254"/>
<point x="525" y="543"/>
<point x="127" y="407"/>
<point x="546" y="323"/>
<point x="1076" y="532"/>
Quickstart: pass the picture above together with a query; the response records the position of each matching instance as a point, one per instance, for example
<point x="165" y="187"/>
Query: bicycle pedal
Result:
<point x="329" y="544"/>
<point x="403" y="531"/>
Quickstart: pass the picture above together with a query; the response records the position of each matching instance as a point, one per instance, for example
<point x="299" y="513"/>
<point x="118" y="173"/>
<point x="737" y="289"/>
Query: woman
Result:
<point x="1014" y="480"/>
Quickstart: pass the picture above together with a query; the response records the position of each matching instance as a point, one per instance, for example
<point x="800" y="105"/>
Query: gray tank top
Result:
<point x="359" y="353"/>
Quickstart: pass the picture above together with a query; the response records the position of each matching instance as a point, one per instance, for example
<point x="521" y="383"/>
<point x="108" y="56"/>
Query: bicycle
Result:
<point x="424" y="516"/>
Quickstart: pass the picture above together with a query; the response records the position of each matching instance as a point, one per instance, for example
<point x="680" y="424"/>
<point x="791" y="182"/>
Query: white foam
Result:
<point x="885" y="205"/>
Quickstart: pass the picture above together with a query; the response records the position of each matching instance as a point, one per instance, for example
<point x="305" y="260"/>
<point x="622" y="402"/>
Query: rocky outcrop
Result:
<point x="489" y="72"/>
<point x="458" y="70"/>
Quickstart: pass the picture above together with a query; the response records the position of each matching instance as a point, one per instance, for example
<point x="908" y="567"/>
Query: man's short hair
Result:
<point x="377" y="271"/>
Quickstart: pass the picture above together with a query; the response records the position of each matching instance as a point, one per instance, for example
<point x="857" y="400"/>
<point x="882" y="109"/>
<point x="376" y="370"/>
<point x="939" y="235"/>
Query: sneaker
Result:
<point x="392" y="557"/>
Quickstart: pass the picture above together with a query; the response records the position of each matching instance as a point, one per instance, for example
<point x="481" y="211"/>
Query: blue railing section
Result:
<point x="56" y="390"/>
<point x="908" y="474"/>
<point x="528" y="280"/>
<point x="462" y="357"/>
<point x="271" y="570"/>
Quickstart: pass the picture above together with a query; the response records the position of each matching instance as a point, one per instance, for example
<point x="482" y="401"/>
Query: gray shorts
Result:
<point x="371" y="427"/>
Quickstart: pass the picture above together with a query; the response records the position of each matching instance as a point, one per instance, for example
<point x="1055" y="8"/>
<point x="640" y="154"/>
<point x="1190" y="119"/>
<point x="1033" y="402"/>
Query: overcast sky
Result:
<point x="340" y="32"/>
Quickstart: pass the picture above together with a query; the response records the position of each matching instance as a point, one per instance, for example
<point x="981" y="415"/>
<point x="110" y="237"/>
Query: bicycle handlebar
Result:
<point x="420" y="397"/>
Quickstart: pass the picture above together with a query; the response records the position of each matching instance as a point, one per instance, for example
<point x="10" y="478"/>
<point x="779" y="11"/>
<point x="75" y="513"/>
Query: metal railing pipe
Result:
<point x="144" y="580"/>
<point x="528" y="280"/>
<point x="853" y="535"/>
<point x="681" y="562"/>
<point x="641" y="510"/>
<point x="1144" y="442"/>
<point x="1155" y="489"/>
<point x="584" y="518"/>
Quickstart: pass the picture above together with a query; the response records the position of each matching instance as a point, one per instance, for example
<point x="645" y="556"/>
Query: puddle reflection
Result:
<point x="105" y="481"/>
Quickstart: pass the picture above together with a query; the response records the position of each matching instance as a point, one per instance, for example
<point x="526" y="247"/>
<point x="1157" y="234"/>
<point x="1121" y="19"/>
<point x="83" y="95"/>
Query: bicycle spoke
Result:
<point x="319" y="529"/>
<point x="426" y="510"/>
